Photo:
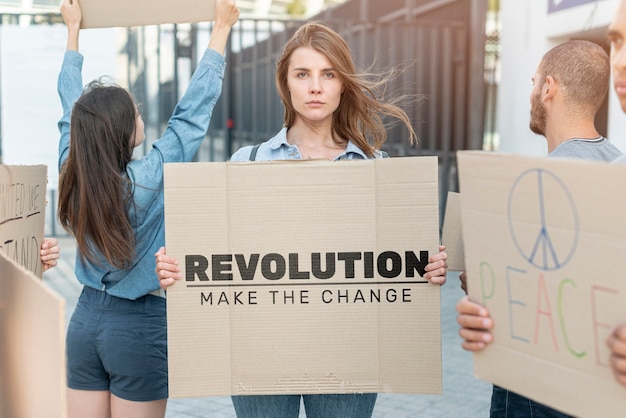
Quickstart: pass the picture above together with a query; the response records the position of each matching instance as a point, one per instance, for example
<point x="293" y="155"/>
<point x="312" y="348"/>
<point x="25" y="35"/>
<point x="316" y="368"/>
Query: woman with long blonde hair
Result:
<point x="331" y="112"/>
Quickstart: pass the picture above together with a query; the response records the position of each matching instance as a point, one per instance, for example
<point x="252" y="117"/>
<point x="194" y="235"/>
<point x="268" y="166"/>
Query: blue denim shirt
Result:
<point x="277" y="148"/>
<point x="185" y="131"/>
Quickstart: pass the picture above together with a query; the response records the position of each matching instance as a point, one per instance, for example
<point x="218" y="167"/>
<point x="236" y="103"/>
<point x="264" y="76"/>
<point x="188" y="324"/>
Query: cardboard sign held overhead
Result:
<point x="544" y="249"/>
<point x="124" y="13"/>
<point x="22" y="214"/>
<point x="303" y="277"/>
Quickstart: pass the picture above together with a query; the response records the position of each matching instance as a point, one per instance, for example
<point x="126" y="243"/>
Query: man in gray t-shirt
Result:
<point x="569" y="87"/>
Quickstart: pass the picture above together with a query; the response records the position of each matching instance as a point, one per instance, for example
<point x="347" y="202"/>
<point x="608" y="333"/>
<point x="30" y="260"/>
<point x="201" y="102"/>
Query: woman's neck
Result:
<point x="315" y="142"/>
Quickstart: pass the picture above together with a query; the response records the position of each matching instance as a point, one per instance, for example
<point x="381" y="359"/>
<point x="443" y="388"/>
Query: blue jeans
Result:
<point x="316" y="406"/>
<point x="506" y="404"/>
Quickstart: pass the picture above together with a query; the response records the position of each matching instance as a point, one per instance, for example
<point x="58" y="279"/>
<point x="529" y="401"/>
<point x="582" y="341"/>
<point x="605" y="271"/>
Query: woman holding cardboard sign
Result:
<point x="331" y="112"/>
<point x="113" y="206"/>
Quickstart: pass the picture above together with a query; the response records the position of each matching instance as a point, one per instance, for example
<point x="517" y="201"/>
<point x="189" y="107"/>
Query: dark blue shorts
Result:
<point x="118" y="345"/>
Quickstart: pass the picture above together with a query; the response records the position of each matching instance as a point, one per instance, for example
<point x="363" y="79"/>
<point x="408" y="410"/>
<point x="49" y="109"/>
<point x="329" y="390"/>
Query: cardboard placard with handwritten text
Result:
<point x="545" y="246"/>
<point x="22" y="214"/>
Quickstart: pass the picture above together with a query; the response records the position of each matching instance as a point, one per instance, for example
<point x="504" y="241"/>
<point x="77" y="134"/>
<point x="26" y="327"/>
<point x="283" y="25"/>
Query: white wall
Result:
<point x="528" y="31"/>
<point x="30" y="60"/>
<point x="522" y="45"/>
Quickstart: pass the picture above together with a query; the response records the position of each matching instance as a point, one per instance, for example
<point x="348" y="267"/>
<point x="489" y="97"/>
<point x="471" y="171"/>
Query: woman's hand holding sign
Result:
<point x="167" y="269"/>
<point x="437" y="267"/>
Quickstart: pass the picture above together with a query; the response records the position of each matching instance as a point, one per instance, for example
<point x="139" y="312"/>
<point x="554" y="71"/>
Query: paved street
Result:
<point x="463" y="394"/>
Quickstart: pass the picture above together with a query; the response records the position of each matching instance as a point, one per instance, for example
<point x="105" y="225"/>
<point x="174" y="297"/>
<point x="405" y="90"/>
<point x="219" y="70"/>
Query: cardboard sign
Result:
<point x="303" y="277"/>
<point x="451" y="233"/>
<point x="32" y="352"/>
<point x="545" y="241"/>
<point x="22" y="214"/>
<point x="124" y="13"/>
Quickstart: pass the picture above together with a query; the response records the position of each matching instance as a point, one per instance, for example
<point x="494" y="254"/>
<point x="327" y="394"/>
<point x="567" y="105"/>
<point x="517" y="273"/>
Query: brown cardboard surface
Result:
<point x="32" y="348"/>
<point x="22" y="214"/>
<point x="544" y="247"/>
<point x="124" y="13"/>
<point x="451" y="233"/>
<point x="293" y="334"/>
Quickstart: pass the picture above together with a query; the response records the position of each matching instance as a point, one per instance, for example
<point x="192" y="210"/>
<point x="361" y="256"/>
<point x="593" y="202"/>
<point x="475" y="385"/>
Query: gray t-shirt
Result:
<point x="620" y="160"/>
<point x="598" y="149"/>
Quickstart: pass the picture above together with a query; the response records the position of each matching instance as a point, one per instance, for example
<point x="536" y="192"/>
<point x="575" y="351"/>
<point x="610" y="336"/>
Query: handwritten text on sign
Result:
<point x="544" y="251"/>
<point x="22" y="214"/>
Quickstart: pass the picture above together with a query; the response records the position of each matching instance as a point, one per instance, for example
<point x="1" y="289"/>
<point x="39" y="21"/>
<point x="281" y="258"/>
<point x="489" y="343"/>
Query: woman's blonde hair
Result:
<point x="361" y="112"/>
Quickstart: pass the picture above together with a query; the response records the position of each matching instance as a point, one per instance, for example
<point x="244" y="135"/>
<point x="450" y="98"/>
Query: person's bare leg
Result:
<point x="88" y="403"/>
<point x="121" y="408"/>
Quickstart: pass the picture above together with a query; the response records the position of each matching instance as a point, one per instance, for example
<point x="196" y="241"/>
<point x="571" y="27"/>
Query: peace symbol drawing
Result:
<point x="543" y="220"/>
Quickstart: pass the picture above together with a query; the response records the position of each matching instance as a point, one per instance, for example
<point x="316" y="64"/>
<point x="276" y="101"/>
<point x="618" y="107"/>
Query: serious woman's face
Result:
<point x="314" y="85"/>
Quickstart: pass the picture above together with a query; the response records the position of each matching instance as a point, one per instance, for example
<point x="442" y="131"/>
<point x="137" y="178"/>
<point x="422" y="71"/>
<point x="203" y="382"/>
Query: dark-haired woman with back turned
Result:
<point x="113" y="206"/>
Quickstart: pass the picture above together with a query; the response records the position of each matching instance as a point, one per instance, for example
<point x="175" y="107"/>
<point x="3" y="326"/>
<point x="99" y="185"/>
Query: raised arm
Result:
<point x="226" y="14"/>
<point x="72" y="16"/>
<point x="70" y="83"/>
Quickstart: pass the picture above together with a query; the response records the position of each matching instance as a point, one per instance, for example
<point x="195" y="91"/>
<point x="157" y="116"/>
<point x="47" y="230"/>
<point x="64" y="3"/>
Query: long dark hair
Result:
<point x="94" y="191"/>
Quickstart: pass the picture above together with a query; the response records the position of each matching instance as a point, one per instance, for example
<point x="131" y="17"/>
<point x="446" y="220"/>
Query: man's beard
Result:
<point x="538" y="115"/>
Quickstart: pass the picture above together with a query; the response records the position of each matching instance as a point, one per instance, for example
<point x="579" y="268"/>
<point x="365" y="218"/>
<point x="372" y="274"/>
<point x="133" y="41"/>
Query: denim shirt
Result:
<point x="277" y="148"/>
<point x="185" y="131"/>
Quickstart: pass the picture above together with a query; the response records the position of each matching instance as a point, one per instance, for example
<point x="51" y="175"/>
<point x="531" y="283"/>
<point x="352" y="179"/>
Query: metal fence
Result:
<point x="440" y="46"/>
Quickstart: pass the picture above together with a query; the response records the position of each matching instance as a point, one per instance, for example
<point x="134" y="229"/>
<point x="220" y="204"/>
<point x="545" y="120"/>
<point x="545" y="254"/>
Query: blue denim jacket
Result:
<point x="277" y="148"/>
<point x="185" y="131"/>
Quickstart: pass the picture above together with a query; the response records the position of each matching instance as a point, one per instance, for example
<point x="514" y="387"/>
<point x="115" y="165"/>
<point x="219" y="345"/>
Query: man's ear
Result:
<point x="549" y="88"/>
